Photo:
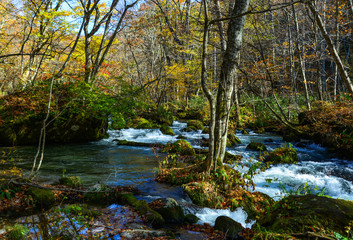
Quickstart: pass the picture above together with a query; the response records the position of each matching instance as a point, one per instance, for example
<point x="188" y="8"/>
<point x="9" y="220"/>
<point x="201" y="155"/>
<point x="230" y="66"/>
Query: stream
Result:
<point x="103" y="161"/>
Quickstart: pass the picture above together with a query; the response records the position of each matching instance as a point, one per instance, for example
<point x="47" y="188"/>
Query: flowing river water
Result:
<point x="103" y="161"/>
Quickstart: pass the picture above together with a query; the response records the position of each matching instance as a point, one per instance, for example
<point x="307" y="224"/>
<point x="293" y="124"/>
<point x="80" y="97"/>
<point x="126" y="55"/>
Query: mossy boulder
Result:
<point x="73" y="181"/>
<point x="140" y="123"/>
<point x="256" y="146"/>
<point x="42" y="198"/>
<point x="228" y="226"/>
<point x="76" y="128"/>
<point x="253" y="203"/>
<point x="191" y="218"/>
<point x="195" y="125"/>
<point x="141" y="206"/>
<point x="170" y="210"/>
<point x="285" y="154"/>
<point x="182" y="147"/>
<point x="165" y="129"/>
<point x="232" y="140"/>
<point x="203" y="194"/>
<point x="298" y="214"/>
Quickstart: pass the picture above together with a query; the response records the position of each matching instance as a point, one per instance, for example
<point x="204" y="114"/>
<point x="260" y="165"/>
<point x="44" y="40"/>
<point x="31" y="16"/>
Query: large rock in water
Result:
<point x="298" y="214"/>
<point x="228" y="226"/>
<point x="74" y="129"/>
<point x="170" y="210"/>
<point x="285" y="154"/>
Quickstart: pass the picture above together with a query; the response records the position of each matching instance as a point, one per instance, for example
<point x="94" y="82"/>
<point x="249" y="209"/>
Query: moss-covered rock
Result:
<point x="285" y="154"/>
<point x="77" y="128"/>
<point x="17" y="232"/>
<point x="140" y="123"/>
<point x="228" y="226"/>
<point x="253" y="203"/>
<point x="153" y="217"/>
<point x="73" y="181"/>
<point x="232" y="140"/>
<point x="191" y="218"/>
<point x="170" y="210"/>
<point x="203" y="194"/>
<point x="165" y="129"/>
<point x="182" y="147"/>
<point x="297" y="214"/>
<point x="195" y="125"/>
<point x="42" y="198"/>
<point x="256" y="146"/>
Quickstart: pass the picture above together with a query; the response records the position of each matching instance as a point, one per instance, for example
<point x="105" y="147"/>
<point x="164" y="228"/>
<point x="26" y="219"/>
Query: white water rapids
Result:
<point x="317" y="170"/>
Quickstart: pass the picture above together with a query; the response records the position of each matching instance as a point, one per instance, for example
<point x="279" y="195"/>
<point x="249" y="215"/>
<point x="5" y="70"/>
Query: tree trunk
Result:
<point x="301" y="58"/>
<point x="227" y="80"/>
<point x="341" y="69"/>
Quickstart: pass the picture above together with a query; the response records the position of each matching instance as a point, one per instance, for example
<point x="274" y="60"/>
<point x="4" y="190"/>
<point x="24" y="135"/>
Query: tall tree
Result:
<point x="222" y="104"/>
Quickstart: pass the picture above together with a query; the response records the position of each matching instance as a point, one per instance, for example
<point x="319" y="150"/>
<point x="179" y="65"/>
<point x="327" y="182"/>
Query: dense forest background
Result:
<point x="155" y="47"/>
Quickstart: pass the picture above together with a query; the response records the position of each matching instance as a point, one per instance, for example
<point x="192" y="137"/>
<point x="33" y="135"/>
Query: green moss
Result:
<point x="43" y="198"/>
<point x="17" y="232"/>
<point x="117" y="122"/>
<point x="195" y="124"/>
<point x="171" y="211"/>
<point x="295" y="214"/>
<point x="165" y="129"/>
<point x="81" y="210"/>
<point x="191" y="218"/>
<point x="203" y="194"/>
<point x="73" y="181"/>
<point x="256" y="146"/>
<point x="285" y="154"/>
<point x="142" y="207"/>
<point x="232" y="140"/>
<point x="182" y="147"/>
<point x="140" y="123"/>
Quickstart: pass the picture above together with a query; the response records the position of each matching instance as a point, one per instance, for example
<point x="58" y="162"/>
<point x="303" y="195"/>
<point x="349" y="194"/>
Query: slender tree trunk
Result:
<point x="332" y="49"/>
<point x="301" y="60"/>
<point x="227" y="79"/>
